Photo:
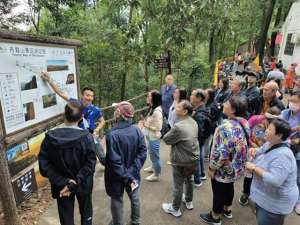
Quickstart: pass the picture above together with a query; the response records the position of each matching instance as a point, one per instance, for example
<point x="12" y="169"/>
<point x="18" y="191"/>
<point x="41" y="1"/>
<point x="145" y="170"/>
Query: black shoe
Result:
<point x="243" y="200"/>
<point x="207" y="218"/>
<point x="227" y="214"/>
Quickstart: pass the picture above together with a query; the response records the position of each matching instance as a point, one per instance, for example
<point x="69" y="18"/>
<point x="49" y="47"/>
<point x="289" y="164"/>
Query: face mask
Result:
<point x="260" y="133"/>
<point x="294" y="107"/>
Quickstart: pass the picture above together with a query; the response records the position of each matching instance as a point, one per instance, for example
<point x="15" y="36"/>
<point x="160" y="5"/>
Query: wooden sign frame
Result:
<point x="17" y="38"/>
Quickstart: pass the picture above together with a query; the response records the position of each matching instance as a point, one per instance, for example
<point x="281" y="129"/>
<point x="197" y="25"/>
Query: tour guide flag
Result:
<point x="256" y="63"/>
<point x="216" y="73"/>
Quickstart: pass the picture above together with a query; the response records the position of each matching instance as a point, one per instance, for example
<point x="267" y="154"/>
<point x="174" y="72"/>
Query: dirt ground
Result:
<point x="152" y="196"/>
<point x="30" y="210"/>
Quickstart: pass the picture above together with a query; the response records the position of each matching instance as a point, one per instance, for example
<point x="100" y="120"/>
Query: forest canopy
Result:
<point x="121" y="38"/>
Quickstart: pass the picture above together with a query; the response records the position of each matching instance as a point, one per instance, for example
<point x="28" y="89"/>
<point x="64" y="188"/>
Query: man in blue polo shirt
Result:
<point x="167" y="91"/>
<point x="91" y="113"/>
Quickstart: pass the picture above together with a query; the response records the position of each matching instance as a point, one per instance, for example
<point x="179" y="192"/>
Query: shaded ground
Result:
<point x="30" y="210"/>
<point x="152" y="195"/>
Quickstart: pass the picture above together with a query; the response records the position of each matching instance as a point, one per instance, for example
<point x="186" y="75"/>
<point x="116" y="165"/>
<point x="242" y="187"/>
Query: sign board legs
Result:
<point x="6" y="193"/>
<point x="161" y="77"/>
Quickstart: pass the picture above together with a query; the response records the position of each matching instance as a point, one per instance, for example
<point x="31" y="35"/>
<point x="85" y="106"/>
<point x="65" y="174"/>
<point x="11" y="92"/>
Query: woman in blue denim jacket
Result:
<point x="274" y="189"/>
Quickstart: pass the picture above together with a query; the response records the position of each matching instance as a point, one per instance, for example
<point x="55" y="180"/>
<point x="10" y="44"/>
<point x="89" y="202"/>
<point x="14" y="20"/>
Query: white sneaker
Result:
<point x="149" y="169"/>
<point x="188" y="205"/>
<point x="197" y="185"/>
<point x="153" y="178"/>
<point x="168" y="208"/>
<point x="203" y="178"/>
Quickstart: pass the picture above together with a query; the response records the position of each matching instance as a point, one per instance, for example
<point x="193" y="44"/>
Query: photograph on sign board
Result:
<point x="57" y="65"/>
<point x="19" y="157"/>
<point x="70" y="78"/>
<point x="17" y="151"/>
<point x="49" y="100"/>
<point x="30" y="84"/>
<point x="29" y="111"/>
<point x="25" y="154"/>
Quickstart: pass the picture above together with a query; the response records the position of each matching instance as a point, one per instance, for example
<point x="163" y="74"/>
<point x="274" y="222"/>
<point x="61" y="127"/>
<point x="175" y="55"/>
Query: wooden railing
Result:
<point x="138" y="102"/>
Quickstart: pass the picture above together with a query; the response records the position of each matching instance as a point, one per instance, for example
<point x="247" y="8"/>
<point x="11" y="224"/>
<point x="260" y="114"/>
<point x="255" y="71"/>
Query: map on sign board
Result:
<point x="25" y="98"/>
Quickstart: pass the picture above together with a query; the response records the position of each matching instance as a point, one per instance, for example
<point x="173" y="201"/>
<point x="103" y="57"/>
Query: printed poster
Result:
<point x="25" y="98"/>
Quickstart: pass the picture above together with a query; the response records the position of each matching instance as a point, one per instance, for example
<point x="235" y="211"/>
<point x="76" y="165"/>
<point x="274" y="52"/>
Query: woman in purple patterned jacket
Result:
<point x="227" y="158"/>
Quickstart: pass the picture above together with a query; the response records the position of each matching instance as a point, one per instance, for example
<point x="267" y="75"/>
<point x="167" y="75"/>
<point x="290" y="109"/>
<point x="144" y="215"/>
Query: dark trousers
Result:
<point x="223" y="194"/>
<point x="180" y="179"/>
<point x="66" y="209"/>
<point x="265" y="217"/>
<point x="116" y="207"/>
<point x="247" y="185"/>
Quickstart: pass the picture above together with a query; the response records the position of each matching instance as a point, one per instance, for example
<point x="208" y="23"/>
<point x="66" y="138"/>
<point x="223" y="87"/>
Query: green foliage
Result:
<point x="123" y="37"/>
<point x="8" y="18"/>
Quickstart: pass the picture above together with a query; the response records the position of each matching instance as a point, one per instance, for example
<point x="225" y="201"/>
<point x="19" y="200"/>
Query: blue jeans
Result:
<point x="153" y="148"/>
<point x="265" y="217"/>
<point x="200" y="168"/>
<point x="298" y="178"/>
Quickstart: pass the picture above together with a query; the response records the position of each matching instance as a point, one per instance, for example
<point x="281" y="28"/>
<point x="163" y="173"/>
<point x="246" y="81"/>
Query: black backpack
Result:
<point x="205" y="124"/>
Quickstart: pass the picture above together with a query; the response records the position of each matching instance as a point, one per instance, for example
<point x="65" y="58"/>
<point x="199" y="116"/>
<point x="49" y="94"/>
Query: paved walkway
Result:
<point x="152" y="195"/>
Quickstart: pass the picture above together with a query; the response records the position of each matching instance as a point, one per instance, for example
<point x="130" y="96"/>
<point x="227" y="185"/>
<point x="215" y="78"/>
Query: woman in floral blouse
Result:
<point x="228" y="158"/>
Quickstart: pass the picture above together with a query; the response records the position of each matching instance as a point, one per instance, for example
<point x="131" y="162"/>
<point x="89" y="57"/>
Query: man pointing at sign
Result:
<point x="91" y="113"/>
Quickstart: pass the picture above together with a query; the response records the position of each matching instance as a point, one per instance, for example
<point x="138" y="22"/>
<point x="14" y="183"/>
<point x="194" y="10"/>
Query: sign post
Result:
<point x="6" y="193"/>
<point x="164" y="62"/>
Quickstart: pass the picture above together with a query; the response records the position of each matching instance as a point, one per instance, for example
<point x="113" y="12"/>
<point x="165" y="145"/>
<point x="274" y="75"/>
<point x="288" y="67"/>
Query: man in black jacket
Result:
<point x="268" y="99"/>
<point x="201" y="115"/>
<point x="252" y="92"/>
<point x="68" y="159"/>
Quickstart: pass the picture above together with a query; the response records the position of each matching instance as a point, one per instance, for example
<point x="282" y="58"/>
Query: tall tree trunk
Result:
<point x="278" y="16"/>
<point x="211" y="57"/>
<point x="124" y="75"/>
<point x="264" y="31"/>
<point x="56" y="14"/>
<point x="274" y="34"/>
<point x="196" y="36"/>
<point x="6" y="193"/>
<point x="272" y="46"/>
<point x="100" y="79"/>
<point x="286" y="11"/>
<point x="221" y="44"/>
<point x="38" y="22"/>
<point x="146" y="56"/>
<point x="146" y="75"/>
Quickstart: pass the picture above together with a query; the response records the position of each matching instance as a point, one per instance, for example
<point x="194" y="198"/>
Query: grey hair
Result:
<point x="240" y="80"/>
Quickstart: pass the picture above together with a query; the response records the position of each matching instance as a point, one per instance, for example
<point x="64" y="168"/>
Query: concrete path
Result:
<point x="152" y="195"/>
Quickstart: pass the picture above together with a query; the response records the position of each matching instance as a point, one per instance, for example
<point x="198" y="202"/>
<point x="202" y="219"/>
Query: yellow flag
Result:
<point x="216" y="73"/>
<point x="256" y="63"/>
